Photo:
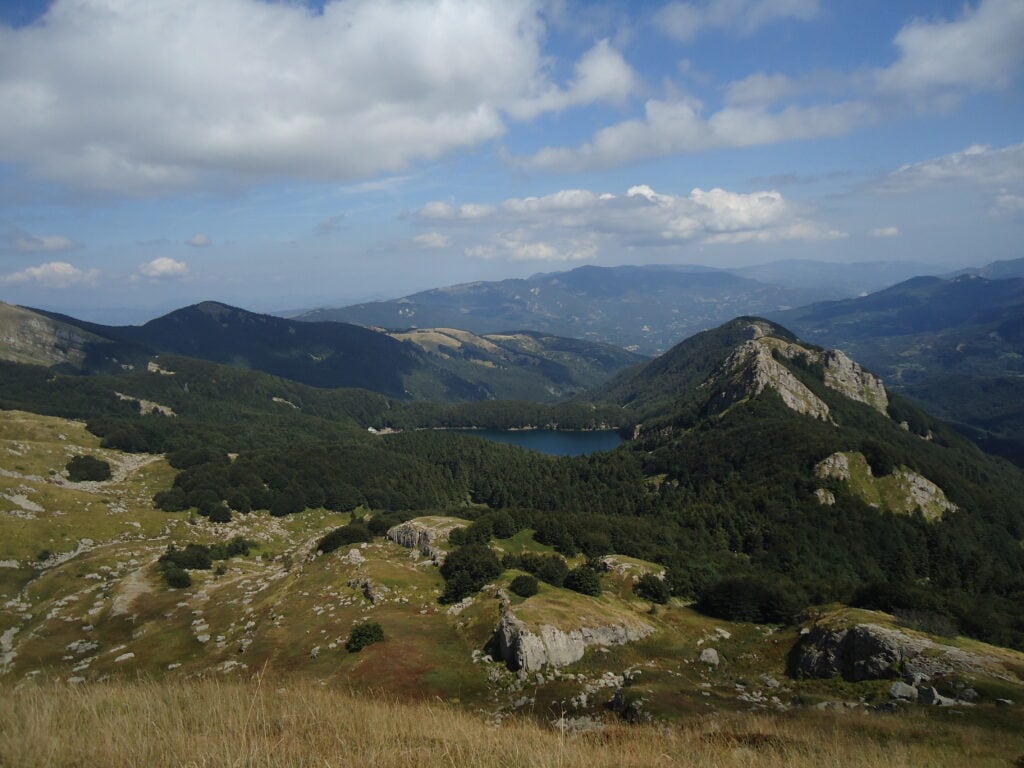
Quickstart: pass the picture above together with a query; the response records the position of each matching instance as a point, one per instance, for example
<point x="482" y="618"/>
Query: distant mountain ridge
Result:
<point x="455" y="366"/>
<point x="955" y="345"/>
<point x="643" y="308"/>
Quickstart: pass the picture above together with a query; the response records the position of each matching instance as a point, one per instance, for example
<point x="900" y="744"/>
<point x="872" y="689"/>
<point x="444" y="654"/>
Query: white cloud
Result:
<point x="578" y="224"/>
<point x="1007" y="203"/>
<point x="142" y="96"/>
<point x="892" y="231"/>
<point x="677" y="127"/>
<point x="523" y="245"/>
<point x="199" y="240"/>
<point x="163" y="267"/>
<point x="980" y="50"/>
<point x="685" y="20"/>
<point x="432" y="240"/>
<point x="53" y="274"/>
<point x="23" y="242"/>
<point x="601" y="74"/>
<point x="441" y="210"/>
<point x="978" y="164"/>
<point x="760" y="88"/>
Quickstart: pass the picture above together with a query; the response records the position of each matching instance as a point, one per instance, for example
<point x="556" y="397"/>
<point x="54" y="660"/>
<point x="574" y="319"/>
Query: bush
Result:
<point x="82" y="468"/>
<point x="362" y="635"/>
<point x="748" y="598"/>
<point x="524" y="585"/>
<point x="584" y="580"/>
<point x="466" y="569"/>
<point x="548" y="568"/>
<point x="353" y="533"/>
<point x="177" y="578"/>
<point x="650" y="587"/>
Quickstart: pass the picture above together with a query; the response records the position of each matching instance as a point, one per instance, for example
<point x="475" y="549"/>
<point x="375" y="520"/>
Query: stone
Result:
<point x="929" y="695"/>
<point x="903" y="692"/>
<point x="968" y="694"/>
<point x="709" y="656"/>
<point x="866" y="652"/>
<point x="524" y="649"/>
<point x="425" y="534"/>
<point x="124" y="657"/>
<point x="1004" y="702"/>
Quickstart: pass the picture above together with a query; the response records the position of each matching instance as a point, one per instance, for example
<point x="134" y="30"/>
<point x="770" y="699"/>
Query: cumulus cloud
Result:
<point x="163" y="267"/>
<point x="576" y="224"/>
<point x="937" y="62"/>
<point x="149" y="95"/>
<point x="53" y="274"/>
<point x="432" y="240"/>
<point x="980" y="50"/>
<point x="685" y="20"/>
<point x="199" y="240"/>
<point x="978" y="164"/>
<point x="677" y="127"/>
<point x="886" y="232"/>
<point x="601" y="74"/>
<point x="24" y="242"/>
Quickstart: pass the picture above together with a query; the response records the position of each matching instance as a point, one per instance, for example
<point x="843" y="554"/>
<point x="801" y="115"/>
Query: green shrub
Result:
<point x="584" y="580"/>
<point x="650" y="587"/>
<point x="466" y="569"/>
<point x="176" y="578"/>
<point x="362" y="635"/>
<point x="524" y="585"/>
<point x="82" y="468"/>
<point x="353" y="533"/>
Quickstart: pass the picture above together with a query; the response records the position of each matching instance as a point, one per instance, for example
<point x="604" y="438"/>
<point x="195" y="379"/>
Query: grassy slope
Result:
<point x="285" y="613"/>
<point x="276" y="722"/>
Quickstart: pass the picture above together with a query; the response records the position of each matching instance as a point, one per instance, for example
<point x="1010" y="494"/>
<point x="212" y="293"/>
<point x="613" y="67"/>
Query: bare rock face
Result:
<point x="427" y="534"/>
<point x="873" y="652"/>
<point x="836" y="466"/>
<point x="846" y="376"/>
<point x="523" y="649"/>
<point x="751" y="369"/>
<point x="921" y="493"/>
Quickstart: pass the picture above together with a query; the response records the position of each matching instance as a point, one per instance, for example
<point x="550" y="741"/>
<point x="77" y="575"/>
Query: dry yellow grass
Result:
<point x="213" y="723"/>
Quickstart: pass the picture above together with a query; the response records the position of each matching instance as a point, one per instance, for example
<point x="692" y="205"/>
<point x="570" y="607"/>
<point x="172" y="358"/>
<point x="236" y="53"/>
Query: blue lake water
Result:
<point x="553" y="441"/>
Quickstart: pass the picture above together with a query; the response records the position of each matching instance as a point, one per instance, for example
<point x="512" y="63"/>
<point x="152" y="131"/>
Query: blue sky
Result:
<point x="280" y="155"/>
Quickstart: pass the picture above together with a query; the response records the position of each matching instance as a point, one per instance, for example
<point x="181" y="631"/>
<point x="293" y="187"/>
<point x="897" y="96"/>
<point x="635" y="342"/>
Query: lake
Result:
<point x="552" y="441"/>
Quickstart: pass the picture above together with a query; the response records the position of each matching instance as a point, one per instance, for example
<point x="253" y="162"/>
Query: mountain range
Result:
<point x="954" y="345"/>
<point x="647" y="309"/>
<point x="436" y="364"/>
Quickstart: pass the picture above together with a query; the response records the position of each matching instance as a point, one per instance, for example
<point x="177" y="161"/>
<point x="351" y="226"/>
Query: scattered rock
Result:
<point x="124" y="657"/>
<point x="1004" y="702"/>
<point x="709" y="656"/>
<point x="903" y="692"/>
<point x="927" y="694"/>
<point x="426" y="534"/>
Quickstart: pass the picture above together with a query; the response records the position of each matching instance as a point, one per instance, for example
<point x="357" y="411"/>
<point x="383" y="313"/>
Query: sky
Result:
<point x="284" y="155"/>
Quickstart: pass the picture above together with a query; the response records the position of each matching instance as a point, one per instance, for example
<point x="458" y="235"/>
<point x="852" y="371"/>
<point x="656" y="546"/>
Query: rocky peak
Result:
<point x="755" y="366"/>
<point x="751" y="369"/>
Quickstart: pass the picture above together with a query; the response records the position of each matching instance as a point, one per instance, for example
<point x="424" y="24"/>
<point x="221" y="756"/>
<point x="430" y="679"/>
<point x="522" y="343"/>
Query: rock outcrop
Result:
<point x="750" y="370"/>
<point x="874" y="652"/>
<point x="903" y="492"/>
<point x="523" y="649"/>
<point x="427" y="534"/>
<point x="756" y="365"/>
<point x="846" y="376"/>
